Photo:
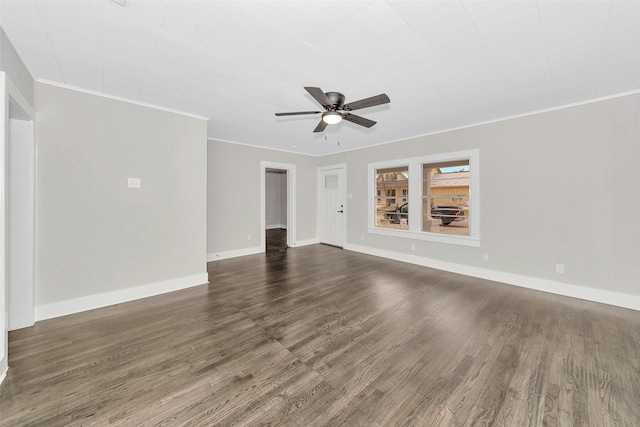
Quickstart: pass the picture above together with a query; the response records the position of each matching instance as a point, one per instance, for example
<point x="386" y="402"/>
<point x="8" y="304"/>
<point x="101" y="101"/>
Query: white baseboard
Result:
<point x="274" y="226"/>
<point x="307" y="242"/>
<point x="217" y="256"/>
<point x="3" y="375"/>
<point x="21" y="326"/>
<point x="90" y="302"/>
<point x="575" y="291"/>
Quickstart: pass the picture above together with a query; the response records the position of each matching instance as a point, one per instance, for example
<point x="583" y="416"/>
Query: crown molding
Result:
<point x="118" y="98"/>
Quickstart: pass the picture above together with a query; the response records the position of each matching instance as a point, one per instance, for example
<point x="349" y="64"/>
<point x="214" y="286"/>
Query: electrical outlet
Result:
<point x="362" y="237"/>
<point x="560" y="268"/>
<point x="485" y="257"/>
<point x="248" y="236"/>
<point x="413" y="247"/>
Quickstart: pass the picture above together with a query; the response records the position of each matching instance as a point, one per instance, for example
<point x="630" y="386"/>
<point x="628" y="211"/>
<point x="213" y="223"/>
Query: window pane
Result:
<point x="445" y="197"/>
<point x="331" y="181"/>
<point x="392" y="189"/>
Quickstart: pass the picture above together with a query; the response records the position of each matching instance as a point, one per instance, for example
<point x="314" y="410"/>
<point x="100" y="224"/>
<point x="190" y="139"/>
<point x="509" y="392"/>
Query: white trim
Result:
<point x="3" y="375"/>
<point x="90" y="302"/>
<point x="14" y="96"/>
<point x="217" y="256"/>
<point x="442" y="131"/>
<point x="291" y="201"/>
<point x="451" y="239"/>
<point x="118" y="98"/>
<point x="276" y="226"/>
<point x="255" y="250"/>
<point x="19" y="99"/>
<point x="4" y="304"/>
<point x="262" y="147"/>
<point x="488" y="122"/>
<point x="565" y="289"/>
<point x="306" y="242"/>
<point x="21" y="253"/>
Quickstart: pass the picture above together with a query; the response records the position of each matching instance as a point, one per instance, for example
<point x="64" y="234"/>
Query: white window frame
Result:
<point x="415" y="198"/>
<point x="373" y="189"/>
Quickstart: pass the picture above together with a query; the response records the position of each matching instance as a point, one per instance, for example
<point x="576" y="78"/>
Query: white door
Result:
<point x="331" y="206"/>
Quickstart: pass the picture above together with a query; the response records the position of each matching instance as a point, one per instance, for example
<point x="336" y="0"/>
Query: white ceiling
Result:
<point x="444" y="64"/>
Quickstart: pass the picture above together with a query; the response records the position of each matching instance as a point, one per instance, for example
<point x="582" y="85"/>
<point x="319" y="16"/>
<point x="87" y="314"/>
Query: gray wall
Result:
<point x="93" y="234"/>
<point x="556" y="187"/>
<point x="234" y="195"/>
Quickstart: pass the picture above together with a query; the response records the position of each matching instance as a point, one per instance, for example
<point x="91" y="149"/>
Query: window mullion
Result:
<point x="414" y="196"/>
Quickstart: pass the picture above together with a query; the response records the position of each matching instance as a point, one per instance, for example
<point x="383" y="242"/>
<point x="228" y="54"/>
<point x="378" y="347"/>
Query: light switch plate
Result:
<point x="135" y="182"/>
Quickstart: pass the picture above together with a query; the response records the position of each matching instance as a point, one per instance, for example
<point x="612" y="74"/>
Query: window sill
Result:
<point x="431" y="237"/>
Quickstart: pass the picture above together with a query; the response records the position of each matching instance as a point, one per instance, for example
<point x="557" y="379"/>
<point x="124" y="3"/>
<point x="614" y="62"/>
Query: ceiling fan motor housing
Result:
<point x="333" y="103"/>
<point x="337" y="99"/>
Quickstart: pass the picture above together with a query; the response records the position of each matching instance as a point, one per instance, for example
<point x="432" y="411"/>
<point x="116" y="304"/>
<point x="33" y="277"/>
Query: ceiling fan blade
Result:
<point x="321" y="126"/>
<point x="358" y="120"/>
<point x="368" y="102"/>
<point x="320" y="96"/>
<point x="295" y="113"/>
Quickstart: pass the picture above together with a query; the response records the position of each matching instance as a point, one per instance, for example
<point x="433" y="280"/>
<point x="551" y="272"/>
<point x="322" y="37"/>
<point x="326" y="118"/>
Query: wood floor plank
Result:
<point x="325" y="337"/>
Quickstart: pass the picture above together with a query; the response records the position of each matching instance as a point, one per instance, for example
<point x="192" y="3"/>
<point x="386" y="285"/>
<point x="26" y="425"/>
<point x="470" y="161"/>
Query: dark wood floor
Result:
<point x="321" y="336"/>
<point x="276" y="240"/>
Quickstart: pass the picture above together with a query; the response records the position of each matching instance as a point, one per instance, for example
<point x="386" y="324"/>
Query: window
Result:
<point x="445" y="188"/>
<point x="445" y="197"/>
<point x="391" y="212"/>
<point x="331" y="181"/>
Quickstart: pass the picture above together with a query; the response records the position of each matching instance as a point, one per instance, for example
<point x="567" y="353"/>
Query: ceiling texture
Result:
<point x="443" y="64"/>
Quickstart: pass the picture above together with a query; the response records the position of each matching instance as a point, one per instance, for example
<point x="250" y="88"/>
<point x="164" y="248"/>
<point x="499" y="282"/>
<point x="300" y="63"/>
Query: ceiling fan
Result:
<point x="333" y="104"/>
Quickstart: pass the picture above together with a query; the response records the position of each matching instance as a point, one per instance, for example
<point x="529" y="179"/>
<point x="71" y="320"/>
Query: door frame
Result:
<point x="9" y="92"/>
<point x="20" y="217"/>
<point x="291" y="201"/>
<point x="320" y="189"/>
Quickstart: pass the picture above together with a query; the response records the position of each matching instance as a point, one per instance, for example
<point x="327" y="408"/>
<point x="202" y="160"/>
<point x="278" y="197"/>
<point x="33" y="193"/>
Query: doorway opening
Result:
<point x="278" y="206"/>
<point x="276" y="210"/>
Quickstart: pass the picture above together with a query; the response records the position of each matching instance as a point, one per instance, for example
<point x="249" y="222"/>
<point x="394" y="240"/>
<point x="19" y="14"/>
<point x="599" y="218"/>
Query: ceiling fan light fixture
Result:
<point x="333" y="104"/>
<point x="331" y="117"/>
